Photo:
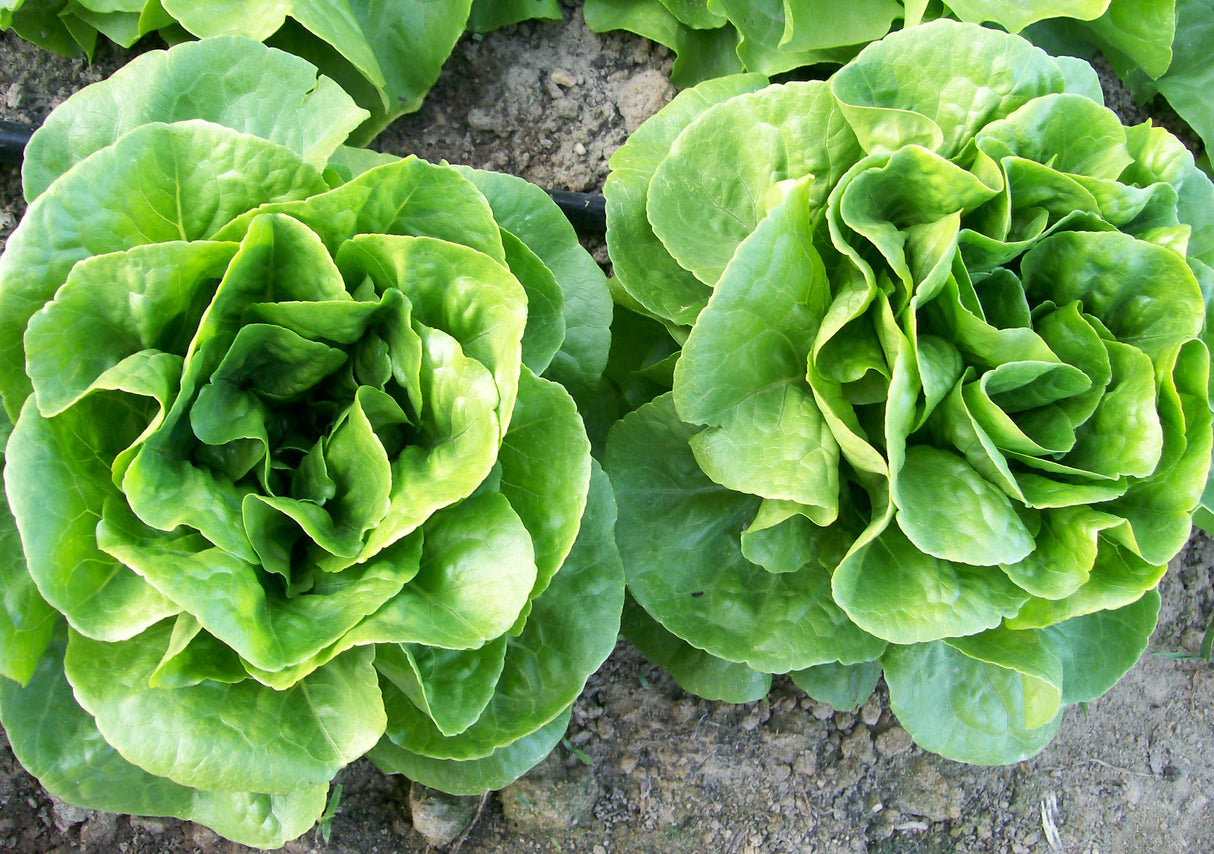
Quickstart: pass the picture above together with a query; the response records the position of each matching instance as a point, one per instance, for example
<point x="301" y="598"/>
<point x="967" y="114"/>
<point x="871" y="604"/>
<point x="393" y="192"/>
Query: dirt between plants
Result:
<point x="646" y="767"/>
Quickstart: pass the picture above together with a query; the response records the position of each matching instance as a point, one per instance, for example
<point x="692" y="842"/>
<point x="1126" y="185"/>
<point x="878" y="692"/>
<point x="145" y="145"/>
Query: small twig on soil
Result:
<point x="1103" y="764"/>
<point x="476" y="816"/>
<point x="1049" y="806"/>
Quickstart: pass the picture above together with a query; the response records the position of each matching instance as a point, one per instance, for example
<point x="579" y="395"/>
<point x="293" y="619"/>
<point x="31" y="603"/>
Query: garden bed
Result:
<point x="645" y="766"/>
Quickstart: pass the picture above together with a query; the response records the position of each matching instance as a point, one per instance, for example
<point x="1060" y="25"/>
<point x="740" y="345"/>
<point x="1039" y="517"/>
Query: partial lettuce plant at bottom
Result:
<point x="288" y="482"/>
<point x="941" y="406"/>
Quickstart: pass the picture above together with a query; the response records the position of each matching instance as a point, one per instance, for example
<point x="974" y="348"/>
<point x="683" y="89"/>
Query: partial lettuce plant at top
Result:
<point x="387" y="55"/>
<point x="290" y="480"/>
<point x="941" y="408"/>
<point x="1156" y="46"/>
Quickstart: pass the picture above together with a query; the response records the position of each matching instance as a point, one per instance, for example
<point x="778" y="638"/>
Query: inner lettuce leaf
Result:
<point x="294" y="471"/>
<point x="386" y="55"/>
<point x="940" y="407"/>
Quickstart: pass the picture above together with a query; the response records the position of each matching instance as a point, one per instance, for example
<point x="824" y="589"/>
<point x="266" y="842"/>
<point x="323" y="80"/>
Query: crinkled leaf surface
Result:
<point x="570" y="631"/>
<point x="159" y="183"/>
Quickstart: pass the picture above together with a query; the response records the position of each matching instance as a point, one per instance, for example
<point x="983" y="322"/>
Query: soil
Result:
<point x="646" y="767"/>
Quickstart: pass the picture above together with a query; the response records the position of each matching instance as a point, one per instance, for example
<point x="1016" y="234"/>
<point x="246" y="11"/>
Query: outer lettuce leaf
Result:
<point x="474" y="776"/>
<point x="729" y="203"/>
<point x="1014" y="17"/>
<point x="59" y="742"/>
<point x="27" y="622"/>
<point x="678" y="536"/>
<point x="302" y="111"/>
<point x="571" y="630"/>
<point x="700" y="54"/>
<point x="489" y="15"/>
<point x="644" y="269"/>
<point x="264" y="740"/>
<point x="523" y="210"/>
<point x="1189" y="74"/>
<point x="843" y="686"/>
<point x="695" y="670"/>
<point x="149" y="205"/>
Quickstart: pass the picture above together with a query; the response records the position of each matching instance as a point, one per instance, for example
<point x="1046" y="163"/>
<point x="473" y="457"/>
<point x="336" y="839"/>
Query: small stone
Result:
<point x="68" y="815"/>
<point x="823" y="711"/>
<point x="149" y="824"/>
<point x="551" y="797"/>
<point x="438" y="816"/>
<point x="99" y="831"/>
<point x="15" y="95"/>
<point x="923" y="791"/>
<point x="641" y="96"/>
<point x="859" y="745"/>
<point x="870" y="713"/>
<point x="893" y="742"/>
<point x="203" y="837"/>
<point x="564" y="108"/>
<point x="806" y="764"/>
<point x="481" y="119"/>
<point x="562" y="78"/>
<point x="779" y="773"/>
<point x="844" y="721"/>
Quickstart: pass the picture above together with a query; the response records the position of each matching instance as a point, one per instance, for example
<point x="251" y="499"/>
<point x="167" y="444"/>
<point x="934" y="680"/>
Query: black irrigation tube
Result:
<point x="13" y="138"/>
<point x="585" y="211"/>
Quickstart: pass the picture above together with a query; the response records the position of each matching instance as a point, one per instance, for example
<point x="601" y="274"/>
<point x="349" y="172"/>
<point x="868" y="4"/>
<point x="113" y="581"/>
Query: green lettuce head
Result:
<point x="288" y="483"/>
<point x="941" y="408"/>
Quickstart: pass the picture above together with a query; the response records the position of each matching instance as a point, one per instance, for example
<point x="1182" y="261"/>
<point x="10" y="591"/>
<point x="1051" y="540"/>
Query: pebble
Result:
<point x="806" y="764"/>
<point x="481" y="119"/>
<point x="859" y="745"/>
<point x="153" y="826"/>
<point x="870" y="713"/>
<point x="642" y="95"/>
<point x="561" y="77"/>
<point x="203" y="837"/>
<point x="68" y="815"/>
<point x="893" y="742"/>
<point x="823" y="711"/>
<point x="923" y="791"/>
<point x="844" y="721"/>
<point x="99" y="831"/>
<point x="551" y="797"/>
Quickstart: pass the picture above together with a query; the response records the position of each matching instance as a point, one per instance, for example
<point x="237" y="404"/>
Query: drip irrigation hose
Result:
<point x="585" y="211"/>
<point x="13" y="138"/>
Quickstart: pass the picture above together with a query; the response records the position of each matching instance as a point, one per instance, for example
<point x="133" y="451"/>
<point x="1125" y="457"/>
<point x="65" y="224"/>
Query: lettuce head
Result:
<point x="290" y="478"/>
<point x="941" y="407"/>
